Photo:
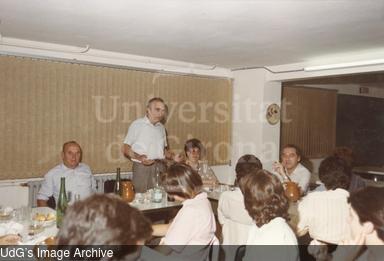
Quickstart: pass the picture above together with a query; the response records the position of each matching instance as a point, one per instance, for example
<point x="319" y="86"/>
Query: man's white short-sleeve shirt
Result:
<point x="146" y="138"/>
<point x="78" y="181"/>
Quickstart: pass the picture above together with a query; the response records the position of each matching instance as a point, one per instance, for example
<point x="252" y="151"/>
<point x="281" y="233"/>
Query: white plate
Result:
<point x="6" y="213"/>
<point x="45" y="211"/>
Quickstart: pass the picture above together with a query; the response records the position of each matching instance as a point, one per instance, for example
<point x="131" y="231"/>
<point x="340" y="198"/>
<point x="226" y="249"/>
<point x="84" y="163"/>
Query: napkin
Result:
<point x="10" y="227"/>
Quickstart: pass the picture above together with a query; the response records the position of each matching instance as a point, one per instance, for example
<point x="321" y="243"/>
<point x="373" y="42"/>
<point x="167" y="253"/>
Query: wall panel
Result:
<point x="310" y="120"/>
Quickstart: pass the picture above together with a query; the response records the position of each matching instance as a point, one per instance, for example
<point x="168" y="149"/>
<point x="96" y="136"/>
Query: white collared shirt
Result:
<point x="325" y="215"/>
<point x="300" y="175"/>
<point x="78" y="181"/>
<point x="278" y="233"/>
<point x="146" y="138"/>
<point x="234" y="218"/>
<point x="194" y="224"/>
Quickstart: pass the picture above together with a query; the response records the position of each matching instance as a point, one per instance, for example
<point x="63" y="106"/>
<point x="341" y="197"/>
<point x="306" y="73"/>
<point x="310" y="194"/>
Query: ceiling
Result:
<point x="225" y="33"/>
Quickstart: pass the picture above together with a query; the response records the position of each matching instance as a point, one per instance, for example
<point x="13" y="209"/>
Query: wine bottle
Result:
<point x="117" y="188"/>
<point x="62" y="203"/>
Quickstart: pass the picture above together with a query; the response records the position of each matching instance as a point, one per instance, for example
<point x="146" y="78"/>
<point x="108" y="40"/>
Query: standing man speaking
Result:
<point x="145" y="144"/>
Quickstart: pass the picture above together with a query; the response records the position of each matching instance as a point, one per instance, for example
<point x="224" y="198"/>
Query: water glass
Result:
<point x="77" y="197"/>
<point x="148" y="196"/>
<point x="69" y="196"/>
<point x="223" y="187"/>
<point x="139" y="198"/>
<point x="23" y="214"/>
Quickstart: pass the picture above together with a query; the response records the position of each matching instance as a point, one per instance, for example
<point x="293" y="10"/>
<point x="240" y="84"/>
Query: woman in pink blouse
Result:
<point x="193" y="228"/>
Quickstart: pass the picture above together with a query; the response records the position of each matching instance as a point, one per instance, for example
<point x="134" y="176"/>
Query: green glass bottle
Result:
<point x="62" y="203"/>
<point x="117" y="188"/>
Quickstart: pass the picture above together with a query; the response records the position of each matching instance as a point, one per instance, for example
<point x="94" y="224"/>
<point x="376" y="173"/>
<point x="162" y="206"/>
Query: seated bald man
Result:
<point x="79" y="181"/>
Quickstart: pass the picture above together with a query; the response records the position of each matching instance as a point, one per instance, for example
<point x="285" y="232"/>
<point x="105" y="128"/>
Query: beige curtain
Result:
<point x="45" y="103"/>
<point x="309" y="120"/>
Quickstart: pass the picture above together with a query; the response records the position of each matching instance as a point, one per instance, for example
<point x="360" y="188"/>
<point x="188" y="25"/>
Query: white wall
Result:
<point x="251" y="132"/>
<point x="14" y="195"/>
<point x="256" y="89"/>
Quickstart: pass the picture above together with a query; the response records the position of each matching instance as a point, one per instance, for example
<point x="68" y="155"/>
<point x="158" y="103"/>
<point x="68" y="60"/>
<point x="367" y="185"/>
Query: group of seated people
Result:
<point x="256" y="212"/>
<point x="105" y="219"/>
<point x="80" y="182"/>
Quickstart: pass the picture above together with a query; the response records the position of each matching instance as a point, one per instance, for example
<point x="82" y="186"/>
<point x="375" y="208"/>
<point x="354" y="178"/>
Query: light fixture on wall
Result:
<point x="344" y="65"/>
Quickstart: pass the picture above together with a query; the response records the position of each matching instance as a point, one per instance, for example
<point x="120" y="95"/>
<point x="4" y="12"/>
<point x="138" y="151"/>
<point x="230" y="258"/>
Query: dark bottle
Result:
<point x="117" y="188"/>
<point x="62" y="203"/>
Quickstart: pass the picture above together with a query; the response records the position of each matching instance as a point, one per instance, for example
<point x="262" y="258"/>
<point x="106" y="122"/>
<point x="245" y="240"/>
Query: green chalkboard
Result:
<point x="360" y="126"/>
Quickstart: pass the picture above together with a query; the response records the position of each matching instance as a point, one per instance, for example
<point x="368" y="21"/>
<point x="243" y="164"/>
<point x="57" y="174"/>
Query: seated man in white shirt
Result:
<point x="231" y="211"/>
<point x="79" y="181"/>
<point x="291" y="167"/>
<point x="324" y="214"/>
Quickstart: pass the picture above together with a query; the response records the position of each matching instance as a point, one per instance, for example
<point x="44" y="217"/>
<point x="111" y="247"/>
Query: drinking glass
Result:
<point x="77" y="197"/>
<point x="69" y="196"/>
<point x="22" y="214"/>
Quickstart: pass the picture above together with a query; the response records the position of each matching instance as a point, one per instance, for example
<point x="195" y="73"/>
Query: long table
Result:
<point x="166" y="210"/>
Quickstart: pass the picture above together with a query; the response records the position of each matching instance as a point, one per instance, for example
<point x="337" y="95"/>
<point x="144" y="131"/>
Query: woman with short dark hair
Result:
<point x="195" y="155"/>
<point x="194" y="224"/>
<point x="231" y="212"/>
<point x="194" y="151"/>
<point x="264" y="197"/>
<point x="266" y="203"/>
<point x="323" y="214"/>
<point x="181" y="181"/>
<point x="367" y="206"/>
<point x="245" y="165"/>
<point x="366" y="222"/>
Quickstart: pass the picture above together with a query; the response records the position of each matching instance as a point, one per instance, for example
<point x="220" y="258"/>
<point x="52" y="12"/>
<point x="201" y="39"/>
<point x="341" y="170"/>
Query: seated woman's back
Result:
<point x="193" y="228"/>
<point x="231" y="211"/>
<point x="194" y="224"/>
<point x="324" y="214"/>
<point x="266" y="203"/>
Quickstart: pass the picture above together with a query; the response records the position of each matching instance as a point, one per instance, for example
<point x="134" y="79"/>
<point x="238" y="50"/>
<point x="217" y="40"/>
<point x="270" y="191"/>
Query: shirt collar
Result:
<point x="271" y="223"/>
<point x="66" y="168"/>
<point x="146" y="120"/>
<point x="342" y="191"/>
<point x="192" y="201"/>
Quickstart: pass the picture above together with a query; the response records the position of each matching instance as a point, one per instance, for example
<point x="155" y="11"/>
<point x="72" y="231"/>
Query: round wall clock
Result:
<point x="273" y="114"/>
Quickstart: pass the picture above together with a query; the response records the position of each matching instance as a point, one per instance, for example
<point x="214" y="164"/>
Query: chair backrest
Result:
<point x="214" y="250"/>
<point x="51" y="202"/>
<point x="240" y="253"/>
